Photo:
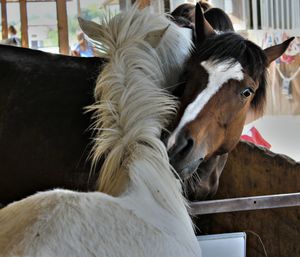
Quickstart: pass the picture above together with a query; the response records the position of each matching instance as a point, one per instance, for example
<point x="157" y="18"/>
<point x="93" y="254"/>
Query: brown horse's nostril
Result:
<point x="182" y="147"/>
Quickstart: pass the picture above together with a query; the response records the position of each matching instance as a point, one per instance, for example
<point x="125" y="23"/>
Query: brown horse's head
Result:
<point x="225" y="78"/>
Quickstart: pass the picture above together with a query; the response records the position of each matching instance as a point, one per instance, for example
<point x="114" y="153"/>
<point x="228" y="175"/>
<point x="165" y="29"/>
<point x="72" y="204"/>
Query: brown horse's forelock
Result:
<point x="231" y="46"/>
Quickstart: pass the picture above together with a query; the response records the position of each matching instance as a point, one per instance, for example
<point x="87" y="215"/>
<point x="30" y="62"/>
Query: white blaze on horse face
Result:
<point x="218" y="74"/>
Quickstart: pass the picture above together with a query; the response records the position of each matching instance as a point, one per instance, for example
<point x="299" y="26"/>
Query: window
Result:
<point x="42" y="26"/>
<point x="88" y="9"/>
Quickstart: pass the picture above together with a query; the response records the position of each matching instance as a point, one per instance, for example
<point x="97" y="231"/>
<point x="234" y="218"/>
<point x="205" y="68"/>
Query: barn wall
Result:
<point x="251" y="171"/>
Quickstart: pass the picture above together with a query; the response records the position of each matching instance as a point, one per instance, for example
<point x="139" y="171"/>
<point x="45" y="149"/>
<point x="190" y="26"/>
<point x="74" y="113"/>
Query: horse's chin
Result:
<point x="189" y="170"/>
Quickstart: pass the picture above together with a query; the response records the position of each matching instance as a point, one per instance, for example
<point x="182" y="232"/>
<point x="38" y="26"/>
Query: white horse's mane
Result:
<point x="132" y="107"/>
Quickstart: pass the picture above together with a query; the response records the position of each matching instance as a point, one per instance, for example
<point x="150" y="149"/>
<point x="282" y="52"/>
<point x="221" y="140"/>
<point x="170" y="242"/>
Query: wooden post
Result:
<point x="24" y="23"/>
<point x="143" y="3"/>
<point x="62" y="26"/>
<point x="4" y="19"/>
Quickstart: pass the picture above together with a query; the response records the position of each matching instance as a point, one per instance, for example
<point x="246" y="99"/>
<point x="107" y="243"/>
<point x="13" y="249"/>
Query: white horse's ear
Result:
<point x="93" y="30"/>
<point x="154" y="37"/>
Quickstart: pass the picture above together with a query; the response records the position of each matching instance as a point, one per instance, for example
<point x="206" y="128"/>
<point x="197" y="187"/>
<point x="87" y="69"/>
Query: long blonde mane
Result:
<point x="133" y="106"/>
<point x="130" y="109"/>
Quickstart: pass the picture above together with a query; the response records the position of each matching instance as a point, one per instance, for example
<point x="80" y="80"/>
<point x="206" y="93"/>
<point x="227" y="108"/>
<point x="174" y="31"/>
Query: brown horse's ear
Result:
<point x="202" y="28"/>
<point x="273" y="52"/>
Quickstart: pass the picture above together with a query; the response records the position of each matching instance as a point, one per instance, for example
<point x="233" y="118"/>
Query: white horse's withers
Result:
<point x="142" y="211"/>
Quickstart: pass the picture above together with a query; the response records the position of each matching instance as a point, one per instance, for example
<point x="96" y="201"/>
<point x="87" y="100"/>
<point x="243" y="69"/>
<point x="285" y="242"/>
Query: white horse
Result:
<point x="144" y="213"/>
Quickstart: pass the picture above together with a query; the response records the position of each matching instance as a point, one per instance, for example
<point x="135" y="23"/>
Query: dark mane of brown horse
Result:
<point x="231" y="46"/>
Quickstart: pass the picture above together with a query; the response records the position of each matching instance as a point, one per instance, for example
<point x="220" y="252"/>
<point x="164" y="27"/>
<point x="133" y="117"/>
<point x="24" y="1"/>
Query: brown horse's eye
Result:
<point x="247" y="92"/>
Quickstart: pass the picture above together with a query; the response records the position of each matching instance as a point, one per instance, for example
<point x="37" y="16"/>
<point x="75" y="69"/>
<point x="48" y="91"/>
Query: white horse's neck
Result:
<point x="150" y="200"/>
<point x="132" y="110"/>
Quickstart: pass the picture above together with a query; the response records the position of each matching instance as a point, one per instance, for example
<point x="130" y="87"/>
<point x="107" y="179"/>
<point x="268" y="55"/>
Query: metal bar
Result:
<point x="268" y="15"/>
<point x="4" y="19"/>
<point x="296" y="12"/>
<point x="293" y="14"/>
<point x="245" y="204"/>
<point x="245" y="15"/>
<point x="264" y="14"/>
<point x="283" y="8"/>
<point x="277" y="14"/>
<point x="288" y="14"/>
<point x="272" y="15"/>
<point x="254" y="14"/>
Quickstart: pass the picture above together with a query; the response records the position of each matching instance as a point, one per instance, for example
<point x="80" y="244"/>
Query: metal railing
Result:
<point x="245" y="204"/>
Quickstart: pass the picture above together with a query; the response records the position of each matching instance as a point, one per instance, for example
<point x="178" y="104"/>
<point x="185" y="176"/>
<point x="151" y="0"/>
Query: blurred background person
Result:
<point x="12" y="36"/>
<point x="83" y="48"/>
<point x="12" y="39"/>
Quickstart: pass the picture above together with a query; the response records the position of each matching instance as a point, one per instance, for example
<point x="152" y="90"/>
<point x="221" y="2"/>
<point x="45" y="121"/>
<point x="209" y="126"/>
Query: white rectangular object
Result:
<point x="225" y="245"/>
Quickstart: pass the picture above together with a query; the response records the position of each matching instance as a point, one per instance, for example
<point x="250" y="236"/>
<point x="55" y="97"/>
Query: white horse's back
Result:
<point x="84" y="224"/>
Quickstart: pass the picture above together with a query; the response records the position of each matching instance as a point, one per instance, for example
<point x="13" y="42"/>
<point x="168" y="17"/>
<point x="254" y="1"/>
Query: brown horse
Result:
<point x="206" y="178"/>
<point x="225" y="78"/>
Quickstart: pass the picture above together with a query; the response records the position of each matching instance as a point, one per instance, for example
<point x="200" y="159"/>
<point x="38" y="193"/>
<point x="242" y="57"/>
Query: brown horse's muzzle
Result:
<point x="182" y="155"/>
